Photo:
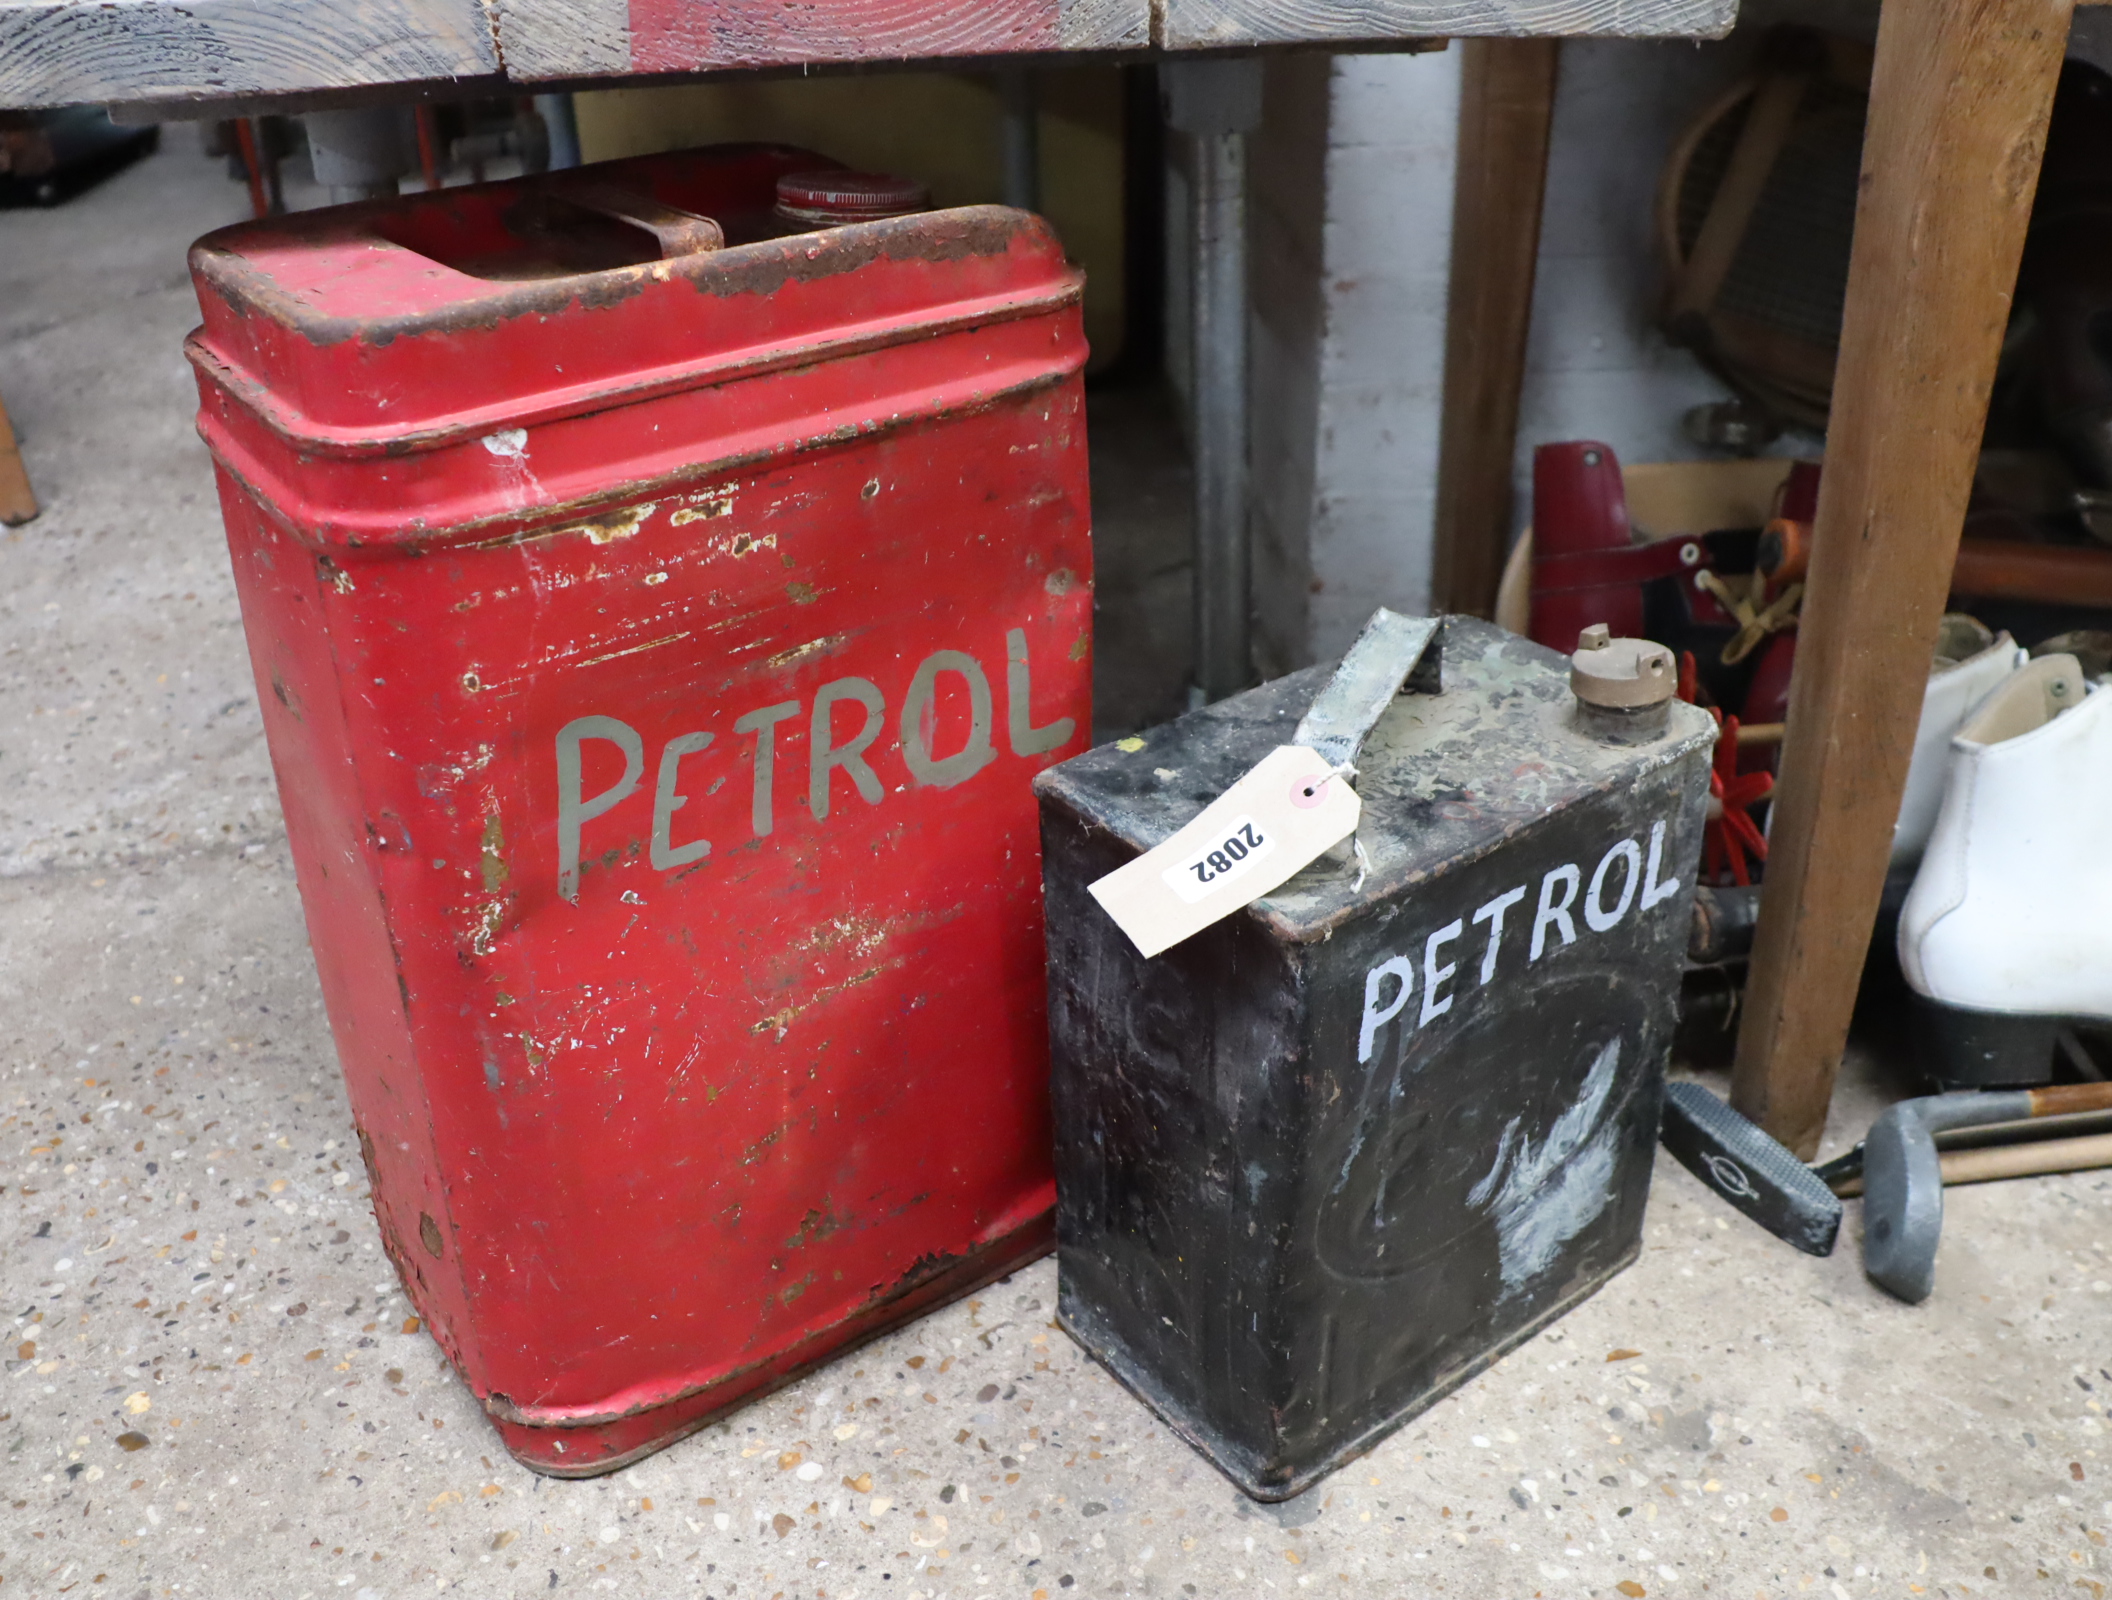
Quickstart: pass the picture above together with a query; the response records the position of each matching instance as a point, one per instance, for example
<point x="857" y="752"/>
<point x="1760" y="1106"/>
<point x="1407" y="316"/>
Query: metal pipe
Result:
<point x="563" y="123"/>
<point x="268" y="158"/>
<point x="428" y="123"/>
<point x="1222" y="554"/>
<point x="1216" y="102"/>
<point x="1022" y="137"/>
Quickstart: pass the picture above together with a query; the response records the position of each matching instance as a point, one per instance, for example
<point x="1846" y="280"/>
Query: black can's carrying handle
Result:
<point x="1391" y="652"/>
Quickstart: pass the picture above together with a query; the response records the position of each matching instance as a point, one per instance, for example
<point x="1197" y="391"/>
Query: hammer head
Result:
<point x="1903" y="1184"/>
<point x="1749" y="1169"/>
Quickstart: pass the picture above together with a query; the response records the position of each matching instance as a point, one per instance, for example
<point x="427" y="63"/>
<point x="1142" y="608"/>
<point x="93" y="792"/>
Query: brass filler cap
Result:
<point x="1620" y="674"/>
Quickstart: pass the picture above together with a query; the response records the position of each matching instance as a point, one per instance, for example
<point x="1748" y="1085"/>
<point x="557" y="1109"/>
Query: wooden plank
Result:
<point x="1506" y="107"/>
<point x="1206" y="24"/>
<point x="550" y="39"/>
<point x="546" y="39"/>
<point x="18" y="502"/>
<point x="66" y="52"/>
<point x="1108" y="24"/>
<point x="1958" y="108"/>
<point x="228" y="53"/>
<point x="2051" y="574"/>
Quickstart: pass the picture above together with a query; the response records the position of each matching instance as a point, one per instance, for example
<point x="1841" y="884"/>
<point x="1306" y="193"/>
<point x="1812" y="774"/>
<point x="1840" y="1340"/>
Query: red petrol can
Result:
<point x="656" y="641"/>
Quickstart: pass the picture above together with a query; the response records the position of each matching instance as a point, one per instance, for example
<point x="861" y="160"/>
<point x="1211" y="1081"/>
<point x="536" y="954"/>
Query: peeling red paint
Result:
<point x="654" y="689"/>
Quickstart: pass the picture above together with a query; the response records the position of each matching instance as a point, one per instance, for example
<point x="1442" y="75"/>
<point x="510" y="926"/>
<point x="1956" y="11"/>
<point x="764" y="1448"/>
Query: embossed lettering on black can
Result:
<point x="1320" y="1164"/>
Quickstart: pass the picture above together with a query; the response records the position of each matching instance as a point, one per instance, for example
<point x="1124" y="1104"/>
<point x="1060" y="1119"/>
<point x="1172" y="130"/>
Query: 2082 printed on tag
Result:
<point x="1214" y="865"/>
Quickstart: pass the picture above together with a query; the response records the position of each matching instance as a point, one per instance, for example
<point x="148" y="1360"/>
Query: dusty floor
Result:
<point x="211" y="1387"/>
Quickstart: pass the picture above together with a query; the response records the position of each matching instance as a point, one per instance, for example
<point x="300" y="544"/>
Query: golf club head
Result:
<point x="1903" y="1183"/>
<point x="1902" y="1204"/>
<point x="1749" y="1169"/>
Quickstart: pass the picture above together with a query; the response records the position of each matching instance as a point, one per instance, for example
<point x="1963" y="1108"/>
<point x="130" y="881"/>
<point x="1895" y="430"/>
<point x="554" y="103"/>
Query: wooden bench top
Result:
<point x="187" y="53"/>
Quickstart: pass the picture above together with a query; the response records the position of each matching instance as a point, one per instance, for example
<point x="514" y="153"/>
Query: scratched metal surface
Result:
<point x="654" y="662"/>
<point x="1443" y="778"/>
<point x="1321" y="1164"/>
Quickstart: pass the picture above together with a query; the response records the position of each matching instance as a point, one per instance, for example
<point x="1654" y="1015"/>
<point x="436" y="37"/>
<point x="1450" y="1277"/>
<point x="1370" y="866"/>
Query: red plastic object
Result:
<point x="1767" y="696"/>
<point x="1731" y="835"/>
<point x="1580" y="520"/>
<point x="655" y="659"/>
<point x="1736" y="785"/>
<point x="1798" y="498"/>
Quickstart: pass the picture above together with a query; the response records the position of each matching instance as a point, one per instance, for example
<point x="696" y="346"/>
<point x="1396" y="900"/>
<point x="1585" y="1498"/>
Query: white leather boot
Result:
<point x="2004" y="935"/>
<point x="1955" y="691"/>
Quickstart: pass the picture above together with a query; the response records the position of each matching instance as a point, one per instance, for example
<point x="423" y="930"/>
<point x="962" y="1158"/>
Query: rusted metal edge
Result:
<point x="535" y="522"/>
<point x="1304" y="931"/>
<point x="1379" y="887"/>
<point x="927" y="1281"/>
<point x="355" y="443"/>
<point x="761" y="268"/>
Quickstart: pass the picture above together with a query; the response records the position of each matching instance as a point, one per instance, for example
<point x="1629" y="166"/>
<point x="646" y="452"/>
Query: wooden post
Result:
<point x="1959" y="101"/>
<point x="1506" y="106"/>
<point x="18" y="503"/>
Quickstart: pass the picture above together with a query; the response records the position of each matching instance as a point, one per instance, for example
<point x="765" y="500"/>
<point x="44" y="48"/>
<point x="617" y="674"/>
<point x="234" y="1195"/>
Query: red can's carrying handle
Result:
<point x="677" y="232"/>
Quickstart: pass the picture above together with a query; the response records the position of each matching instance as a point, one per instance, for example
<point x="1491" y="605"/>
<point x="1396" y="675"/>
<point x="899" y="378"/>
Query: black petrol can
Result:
<point x="1324" y="1161"/>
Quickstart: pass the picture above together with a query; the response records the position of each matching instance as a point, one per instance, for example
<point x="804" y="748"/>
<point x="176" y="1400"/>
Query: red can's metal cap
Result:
<point x="830" y="199"/>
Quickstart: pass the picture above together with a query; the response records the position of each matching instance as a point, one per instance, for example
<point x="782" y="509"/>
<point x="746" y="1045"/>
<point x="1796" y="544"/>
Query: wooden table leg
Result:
<point x="1506" y="106"/>
<point x="17" y="502"/>
<point x="1958" y="109"/>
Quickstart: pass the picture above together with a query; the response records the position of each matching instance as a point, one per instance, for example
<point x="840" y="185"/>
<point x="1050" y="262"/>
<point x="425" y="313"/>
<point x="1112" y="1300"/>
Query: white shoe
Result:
<point x="1956" y="689"/>
<point x="2003" y="934"/>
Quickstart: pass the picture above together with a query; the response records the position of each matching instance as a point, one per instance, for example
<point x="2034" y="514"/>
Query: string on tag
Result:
<point x="1356" y="841"/>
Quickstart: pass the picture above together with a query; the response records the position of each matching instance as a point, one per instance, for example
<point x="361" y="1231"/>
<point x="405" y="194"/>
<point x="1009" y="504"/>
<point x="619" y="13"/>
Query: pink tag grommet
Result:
<point x="1309" y="792"/>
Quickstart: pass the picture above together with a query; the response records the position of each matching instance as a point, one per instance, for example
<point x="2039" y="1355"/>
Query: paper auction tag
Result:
<point x="1256" y="835"/>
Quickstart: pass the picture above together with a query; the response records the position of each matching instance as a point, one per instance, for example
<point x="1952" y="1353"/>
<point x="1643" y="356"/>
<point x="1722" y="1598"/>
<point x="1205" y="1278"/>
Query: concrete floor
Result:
<point x="211" y="1387"/>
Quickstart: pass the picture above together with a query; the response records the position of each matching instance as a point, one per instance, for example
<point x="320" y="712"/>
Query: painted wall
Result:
<point x="1387" y="244"/>
<point x="1349" y="195"/>
<point x="1345" y="494"/>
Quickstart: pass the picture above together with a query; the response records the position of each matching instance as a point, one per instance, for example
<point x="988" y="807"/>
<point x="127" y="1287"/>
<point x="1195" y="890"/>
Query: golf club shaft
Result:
<point x="2067" y="1097"/>
<point x="1995" y="1162"/>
